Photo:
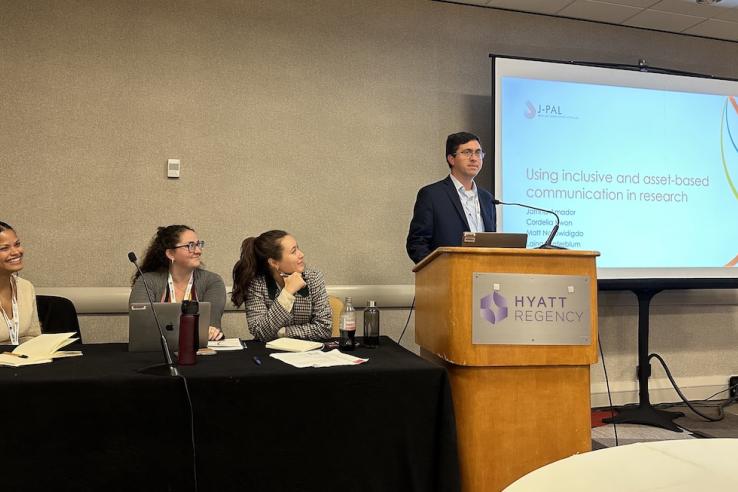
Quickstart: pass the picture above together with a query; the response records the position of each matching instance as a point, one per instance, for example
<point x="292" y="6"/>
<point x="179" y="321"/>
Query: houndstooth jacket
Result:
<point x="310" y="318"/>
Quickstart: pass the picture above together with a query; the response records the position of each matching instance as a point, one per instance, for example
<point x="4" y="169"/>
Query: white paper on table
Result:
<point x="317" y="358"/>
<point x="226" y="344"/>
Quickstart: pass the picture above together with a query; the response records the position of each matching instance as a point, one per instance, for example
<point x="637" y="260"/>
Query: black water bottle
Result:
<point x="371" y="324"/>
<point x="189" y="321"/>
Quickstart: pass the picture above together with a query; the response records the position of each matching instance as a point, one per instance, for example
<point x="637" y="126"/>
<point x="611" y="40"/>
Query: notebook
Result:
<point x="495" y="239"/>
<point x="40" y="350"/>
<point x="143" y="334"/>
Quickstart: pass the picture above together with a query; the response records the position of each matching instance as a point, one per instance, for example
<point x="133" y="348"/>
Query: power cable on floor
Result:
<point x="721" y="413"/>
<point x="609" y="394"/>
<point x="407" y="322"/>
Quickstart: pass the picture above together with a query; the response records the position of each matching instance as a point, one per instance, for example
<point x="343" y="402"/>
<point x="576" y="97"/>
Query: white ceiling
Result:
<point x="681" y="16"/>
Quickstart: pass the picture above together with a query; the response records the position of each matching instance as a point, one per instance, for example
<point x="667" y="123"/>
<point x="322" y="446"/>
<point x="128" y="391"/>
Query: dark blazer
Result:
<point x="439" y="219"/>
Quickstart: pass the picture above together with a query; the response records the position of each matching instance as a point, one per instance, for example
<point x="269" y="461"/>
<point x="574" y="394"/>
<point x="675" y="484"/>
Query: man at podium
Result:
<point x="446" y="209"/>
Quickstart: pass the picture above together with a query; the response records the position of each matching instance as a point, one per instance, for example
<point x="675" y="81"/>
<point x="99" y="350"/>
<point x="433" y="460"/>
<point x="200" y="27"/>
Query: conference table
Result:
<point x="96" y="423"/>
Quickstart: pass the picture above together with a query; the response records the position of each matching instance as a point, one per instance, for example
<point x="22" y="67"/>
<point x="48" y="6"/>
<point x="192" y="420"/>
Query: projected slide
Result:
<point x="648" y="177"/>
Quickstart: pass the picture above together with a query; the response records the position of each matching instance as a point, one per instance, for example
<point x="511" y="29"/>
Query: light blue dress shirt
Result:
<point x="470" y="203"/>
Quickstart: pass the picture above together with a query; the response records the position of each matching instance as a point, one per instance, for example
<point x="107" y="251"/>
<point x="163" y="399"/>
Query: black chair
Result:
<point x="57" y="315"/>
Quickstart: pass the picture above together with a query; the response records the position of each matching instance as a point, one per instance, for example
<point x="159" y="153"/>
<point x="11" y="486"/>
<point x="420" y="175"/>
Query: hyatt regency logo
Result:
<point x="493" y="307"/>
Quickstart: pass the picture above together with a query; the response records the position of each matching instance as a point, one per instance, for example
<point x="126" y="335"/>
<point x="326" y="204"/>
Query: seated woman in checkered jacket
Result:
<point x="283" y="298"/>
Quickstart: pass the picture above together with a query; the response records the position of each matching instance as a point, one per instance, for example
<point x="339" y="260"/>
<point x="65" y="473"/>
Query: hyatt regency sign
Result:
<point x="522" y="309"/>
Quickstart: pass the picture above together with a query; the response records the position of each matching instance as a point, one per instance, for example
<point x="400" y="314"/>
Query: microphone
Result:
<point x="164" y="347"/>
<point x="547" y="244"/>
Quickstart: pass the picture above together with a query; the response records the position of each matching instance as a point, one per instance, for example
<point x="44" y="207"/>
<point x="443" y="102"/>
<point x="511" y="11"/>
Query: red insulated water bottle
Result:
<point x="189" y="320"/>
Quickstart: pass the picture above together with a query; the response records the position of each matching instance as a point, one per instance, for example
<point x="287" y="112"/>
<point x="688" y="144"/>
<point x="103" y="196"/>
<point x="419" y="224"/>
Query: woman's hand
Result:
<point x="294" y="282"/>
<point x="214" y="333"/>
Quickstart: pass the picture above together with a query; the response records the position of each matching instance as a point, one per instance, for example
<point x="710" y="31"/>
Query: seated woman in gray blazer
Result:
<point x="171" y="266"/>
<point x="17" y="296"/>
<point x="283" y="297"/>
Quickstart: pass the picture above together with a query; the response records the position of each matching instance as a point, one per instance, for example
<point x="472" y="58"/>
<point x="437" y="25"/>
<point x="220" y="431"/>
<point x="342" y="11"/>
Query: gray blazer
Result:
<point x="209" y="287"/>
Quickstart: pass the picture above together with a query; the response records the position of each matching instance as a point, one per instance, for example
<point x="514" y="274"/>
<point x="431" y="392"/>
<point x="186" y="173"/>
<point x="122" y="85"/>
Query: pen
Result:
<point x="257" y="360"/>
<point x="22" y="356"/>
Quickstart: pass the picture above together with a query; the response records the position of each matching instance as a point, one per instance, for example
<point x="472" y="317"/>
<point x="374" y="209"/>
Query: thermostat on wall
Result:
<point x="173" y="168"/>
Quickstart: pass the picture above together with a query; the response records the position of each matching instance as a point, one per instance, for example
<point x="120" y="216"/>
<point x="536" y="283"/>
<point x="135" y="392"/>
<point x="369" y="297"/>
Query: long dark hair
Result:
<point x="155" y="259"/>
<point x="4" y="226"/>
<point x="255" y="251"/>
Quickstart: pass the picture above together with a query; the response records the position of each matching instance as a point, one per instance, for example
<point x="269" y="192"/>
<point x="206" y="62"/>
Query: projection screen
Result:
<point x="640" y="166"/>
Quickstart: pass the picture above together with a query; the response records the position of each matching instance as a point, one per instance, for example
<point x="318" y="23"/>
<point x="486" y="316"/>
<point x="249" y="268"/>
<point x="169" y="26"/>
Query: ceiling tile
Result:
<point x="538" y="6"/>
<point x="599" y="11"/>
<point x="663" y="21"/>
<point x="687" y="8"/>
<point x="716" y="29"/>
<point x="683" y="16"/>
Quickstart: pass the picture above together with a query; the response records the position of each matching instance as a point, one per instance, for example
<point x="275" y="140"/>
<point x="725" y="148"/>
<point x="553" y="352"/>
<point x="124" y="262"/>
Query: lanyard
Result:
<point x="14" y="323"/>
<point x="172" y="295"/>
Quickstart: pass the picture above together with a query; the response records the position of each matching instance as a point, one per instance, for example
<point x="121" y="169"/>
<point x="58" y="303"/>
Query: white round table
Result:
<point x="665" y="466"/>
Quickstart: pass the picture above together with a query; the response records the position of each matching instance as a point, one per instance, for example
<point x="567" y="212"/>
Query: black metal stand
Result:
<point x="160" y="370"/>
<point x="645" y="413"/>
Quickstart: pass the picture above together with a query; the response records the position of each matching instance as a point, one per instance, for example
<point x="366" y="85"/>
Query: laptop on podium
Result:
<point x="495" y="239"/>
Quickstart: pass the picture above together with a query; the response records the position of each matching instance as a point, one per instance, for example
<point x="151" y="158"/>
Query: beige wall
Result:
<point x="320" y="117"/>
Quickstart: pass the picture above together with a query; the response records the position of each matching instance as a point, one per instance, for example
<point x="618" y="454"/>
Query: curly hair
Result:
<point x="255" y="251"/>
<point x="155" y="258"/>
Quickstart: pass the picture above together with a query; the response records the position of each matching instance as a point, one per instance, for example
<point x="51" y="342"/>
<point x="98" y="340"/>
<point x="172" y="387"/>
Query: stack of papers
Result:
<point x="293" y="345"/>
<point x="319" y="359"/>
<point x="40" y="350"/>
<point x="226" y="344"/>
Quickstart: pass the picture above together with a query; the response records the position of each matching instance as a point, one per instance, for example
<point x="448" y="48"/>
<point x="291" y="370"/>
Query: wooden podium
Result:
<point x="517" y="407"/>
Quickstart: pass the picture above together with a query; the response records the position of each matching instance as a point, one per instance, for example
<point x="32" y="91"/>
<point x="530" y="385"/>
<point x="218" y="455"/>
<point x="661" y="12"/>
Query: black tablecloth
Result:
<point x="95" y="423"/>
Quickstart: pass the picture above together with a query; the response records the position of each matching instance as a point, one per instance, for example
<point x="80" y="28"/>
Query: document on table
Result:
<point x="226" y="344"/>
<point x="317" y="358"/>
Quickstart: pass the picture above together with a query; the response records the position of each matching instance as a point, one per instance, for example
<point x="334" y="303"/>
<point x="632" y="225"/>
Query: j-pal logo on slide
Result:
<point x="550" y="110"/>
<point x="530" y="110"/>
<point x="493" y="308"/>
